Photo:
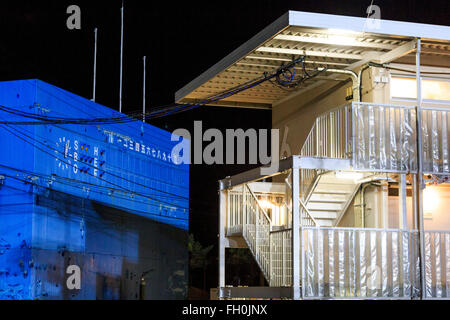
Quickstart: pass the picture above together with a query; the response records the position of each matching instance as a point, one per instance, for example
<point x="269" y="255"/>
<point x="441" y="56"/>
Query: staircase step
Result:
<point x="331" y="178"/>
<point x="320" y="189"/>
<point x="325" y="197"/>
<point x="324" y="206"/>
<point x="324" y="214"/>
<point x="325" y="223"/>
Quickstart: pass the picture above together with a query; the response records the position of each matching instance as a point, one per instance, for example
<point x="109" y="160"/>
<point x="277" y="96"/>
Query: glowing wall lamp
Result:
<point x="430" y="201"/>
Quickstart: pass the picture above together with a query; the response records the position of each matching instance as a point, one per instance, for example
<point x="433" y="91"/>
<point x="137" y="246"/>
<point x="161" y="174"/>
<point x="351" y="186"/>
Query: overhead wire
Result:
<point x="158" y="113"/>
<point x="109" y="182"/>
<point x="93" y="166"/>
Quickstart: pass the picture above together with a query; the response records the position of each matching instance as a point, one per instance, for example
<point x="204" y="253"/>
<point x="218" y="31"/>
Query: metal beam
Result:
<point x="336" y="40"/>
<point x="312" y="53"/>
<point x="287" y="59"/>
<point x="254" y="174"/>
<point x="397" y="52"/>
<point x="255" y="293"/>
<point x="296" y="162"/>
<point x="321" y="163"/>
<point x="231" y="104"/>
<point x="358" y="24"/>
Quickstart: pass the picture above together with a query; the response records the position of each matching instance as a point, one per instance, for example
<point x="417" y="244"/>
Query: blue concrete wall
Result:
<point x="106" y="197"/>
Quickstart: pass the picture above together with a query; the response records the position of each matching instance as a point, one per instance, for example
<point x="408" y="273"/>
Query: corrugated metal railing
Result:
<point x="437" y="264"/>
<point x="435" y="143"/>
<point x="379" y="137"/>
<point x="384" y="137"/>
<point x="359" y="263"/>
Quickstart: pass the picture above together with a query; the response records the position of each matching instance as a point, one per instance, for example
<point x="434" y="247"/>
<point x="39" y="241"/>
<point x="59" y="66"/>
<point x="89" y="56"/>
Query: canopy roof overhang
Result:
<point x="326" y="41"/>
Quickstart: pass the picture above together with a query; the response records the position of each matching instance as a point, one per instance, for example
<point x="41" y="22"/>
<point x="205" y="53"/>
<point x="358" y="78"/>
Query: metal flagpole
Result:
<point x="95" y="65"/>
<point x="143" y="94"/>
<point x="121" y="58"/>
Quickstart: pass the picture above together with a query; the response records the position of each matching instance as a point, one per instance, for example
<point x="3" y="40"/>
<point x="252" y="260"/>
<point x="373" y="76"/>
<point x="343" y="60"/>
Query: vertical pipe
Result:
<point x="121" y="58"/>
<point x="95" y="65"/>
<point x="143" y="91"/>
<point x="420" y="186"/>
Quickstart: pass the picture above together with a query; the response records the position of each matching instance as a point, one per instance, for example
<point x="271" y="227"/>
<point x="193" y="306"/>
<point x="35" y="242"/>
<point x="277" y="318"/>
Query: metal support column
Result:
<point x="222" y="240"/>
<point x="402" y="202"/>
<point x="295" y="247"/>
<point x="419" y="177"/>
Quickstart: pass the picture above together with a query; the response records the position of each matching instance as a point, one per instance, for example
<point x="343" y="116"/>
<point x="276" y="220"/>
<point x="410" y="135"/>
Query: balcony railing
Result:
<point x="435" y="143"/>
<point x="384" y="137"/>
<point x="360" y="263"/>
<point x="437" y="264"/>
<point x="380" y="137"/>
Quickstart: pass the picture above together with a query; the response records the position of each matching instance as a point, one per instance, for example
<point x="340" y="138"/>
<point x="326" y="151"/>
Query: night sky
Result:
<point x="180" y="40"/>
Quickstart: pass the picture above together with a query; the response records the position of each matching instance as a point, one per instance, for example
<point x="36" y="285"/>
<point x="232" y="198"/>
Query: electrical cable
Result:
<point x="162" y="112"/>
<point x="103" y="169"/>
<point x="111" y="183"/>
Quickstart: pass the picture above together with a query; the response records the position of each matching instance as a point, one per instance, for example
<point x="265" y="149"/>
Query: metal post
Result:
<point x="222" y="240"/>
<point x="121" y="58"/>
<point x="295" y="247"/>
<point x="402" y="202"/>
<point x="420" y="184"/>
<point x="270" y="280"/>
<point x="95" y="65"/>
<point x="143" y="97"/>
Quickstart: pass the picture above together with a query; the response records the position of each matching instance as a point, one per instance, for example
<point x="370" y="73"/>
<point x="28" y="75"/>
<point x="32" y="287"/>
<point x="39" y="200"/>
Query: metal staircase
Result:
<point x="324" y="200"/>
<point x="330" y="198"/>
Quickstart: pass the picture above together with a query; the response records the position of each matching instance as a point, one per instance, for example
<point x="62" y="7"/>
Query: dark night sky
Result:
<point x="181" y="40"/>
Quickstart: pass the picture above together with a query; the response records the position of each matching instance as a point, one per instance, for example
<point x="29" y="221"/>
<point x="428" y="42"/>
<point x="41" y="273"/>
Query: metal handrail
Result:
<point x="260" y="206"/>
<point x="309" y="213"/>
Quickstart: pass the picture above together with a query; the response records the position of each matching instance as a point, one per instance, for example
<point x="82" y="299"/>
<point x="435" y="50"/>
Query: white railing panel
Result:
<point x="437" y="264"/>
<point x="384" y="137"/>
<point x="435" y="144"/>
<point x="360" y="263"/>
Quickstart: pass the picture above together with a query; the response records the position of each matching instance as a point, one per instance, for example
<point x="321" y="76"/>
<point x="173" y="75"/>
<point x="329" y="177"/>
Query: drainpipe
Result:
<point x="367" y="183"/>
<point x="363" y="204"/>
<point x="367" y="66"/>
<point x="355" y="78"/>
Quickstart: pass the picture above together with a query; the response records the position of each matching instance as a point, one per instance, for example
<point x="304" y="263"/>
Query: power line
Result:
<point x="92" y="166"/>
<point x="160" y="112"/>
<point x="109" y="182"/>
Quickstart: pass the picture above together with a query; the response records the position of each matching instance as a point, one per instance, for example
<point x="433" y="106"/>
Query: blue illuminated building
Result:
<point x="107" y="197"/>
